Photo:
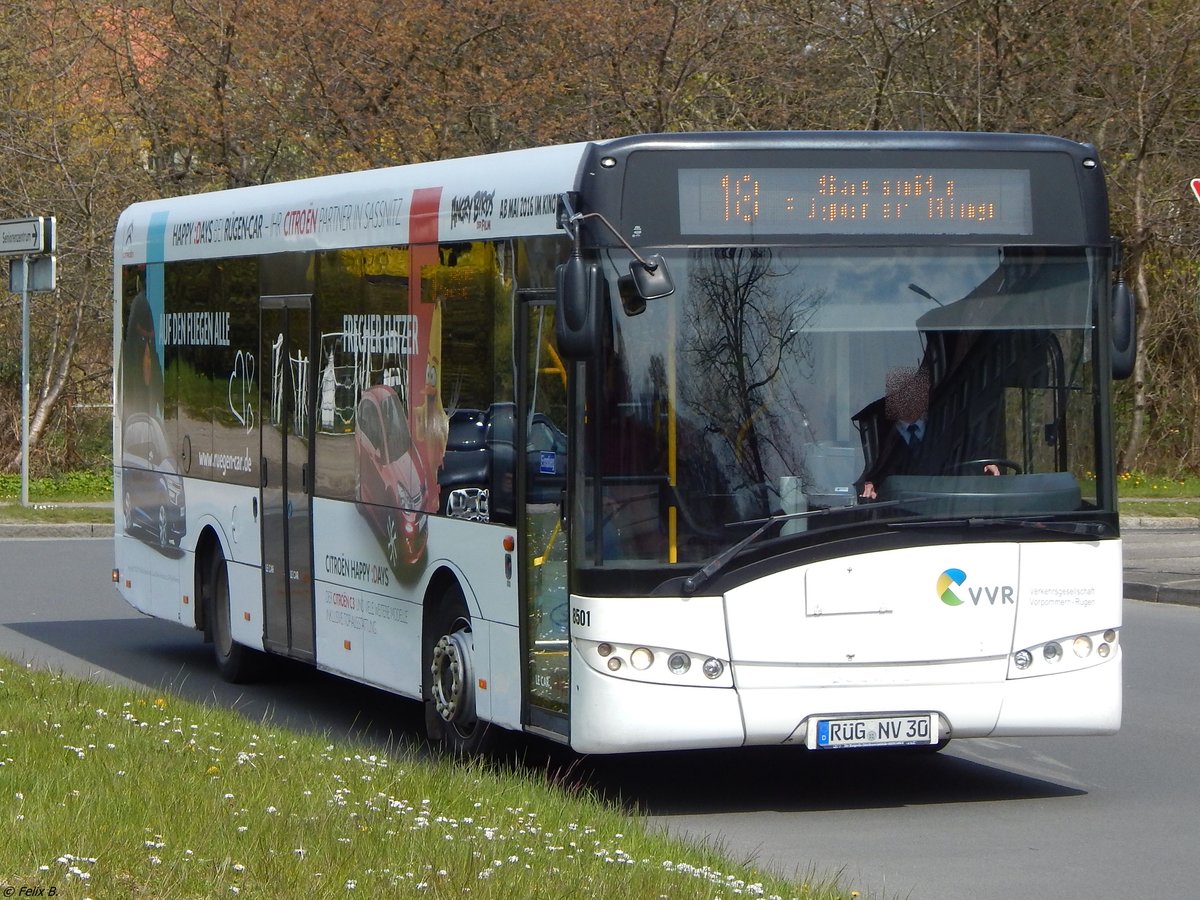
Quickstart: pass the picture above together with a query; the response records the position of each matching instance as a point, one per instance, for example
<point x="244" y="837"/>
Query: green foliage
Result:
<point x="77" y="487"/>
<point x="76" y="440"/>
<point x="130" y="101"/>
<point x="1141" y="484"/>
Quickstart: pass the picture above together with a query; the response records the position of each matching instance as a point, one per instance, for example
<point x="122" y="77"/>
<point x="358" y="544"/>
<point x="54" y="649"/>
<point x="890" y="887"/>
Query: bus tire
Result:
<point x="449" y="679"/>
<point x="236" y="662"/>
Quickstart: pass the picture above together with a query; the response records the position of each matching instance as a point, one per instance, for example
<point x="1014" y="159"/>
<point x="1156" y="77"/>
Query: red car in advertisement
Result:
<point x="389" y="484"/>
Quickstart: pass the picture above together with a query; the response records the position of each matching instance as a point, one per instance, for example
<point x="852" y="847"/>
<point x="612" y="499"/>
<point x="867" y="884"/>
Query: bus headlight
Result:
<point x="658" y="665"/>
<point x="713" y="668"/>
<point x="1092" y="649"/>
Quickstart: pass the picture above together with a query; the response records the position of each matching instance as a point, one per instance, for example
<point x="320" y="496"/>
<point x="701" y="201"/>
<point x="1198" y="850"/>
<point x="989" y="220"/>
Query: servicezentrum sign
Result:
<point x="24" y="237"/>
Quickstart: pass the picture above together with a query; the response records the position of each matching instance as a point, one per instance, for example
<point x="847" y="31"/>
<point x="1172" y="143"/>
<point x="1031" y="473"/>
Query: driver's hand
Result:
<point x="991" y="469"/>
<point x="868" y="491"/>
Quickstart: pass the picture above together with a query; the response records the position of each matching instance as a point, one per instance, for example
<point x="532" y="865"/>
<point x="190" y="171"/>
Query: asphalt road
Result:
<point x="59" y="609"/>
<point x="1063" y="817"/>
<point x="1163" y="562"/>
<point x="1092" y="817"/>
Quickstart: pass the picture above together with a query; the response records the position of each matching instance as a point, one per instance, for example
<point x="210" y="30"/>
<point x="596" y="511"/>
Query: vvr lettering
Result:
<point x="1003" y="593"/>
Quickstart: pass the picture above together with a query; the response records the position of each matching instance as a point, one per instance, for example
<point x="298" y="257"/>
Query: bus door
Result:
<point x="547" y="606"/>
<point x="285" y="326"/>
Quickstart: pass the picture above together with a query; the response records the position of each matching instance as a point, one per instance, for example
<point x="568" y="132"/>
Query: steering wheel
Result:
<point x="989" y="461"/>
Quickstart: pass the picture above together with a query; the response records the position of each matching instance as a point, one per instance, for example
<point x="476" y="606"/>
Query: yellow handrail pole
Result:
<point x="539" y="560"/>
<point x="558" y="367"/>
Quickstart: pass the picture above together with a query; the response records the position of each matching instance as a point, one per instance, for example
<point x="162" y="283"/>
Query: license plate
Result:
<point x="873" y="731"/>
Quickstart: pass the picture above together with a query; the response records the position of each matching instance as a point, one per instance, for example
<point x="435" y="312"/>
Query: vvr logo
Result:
<point x="954" y="578"/>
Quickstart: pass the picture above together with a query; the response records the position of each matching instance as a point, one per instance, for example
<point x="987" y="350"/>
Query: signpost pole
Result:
<point x="34" y="241"/>
<point x="25" y="383"/>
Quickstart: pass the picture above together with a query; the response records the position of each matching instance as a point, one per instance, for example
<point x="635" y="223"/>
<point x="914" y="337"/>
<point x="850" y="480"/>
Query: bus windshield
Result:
<point x="857" y="386"/>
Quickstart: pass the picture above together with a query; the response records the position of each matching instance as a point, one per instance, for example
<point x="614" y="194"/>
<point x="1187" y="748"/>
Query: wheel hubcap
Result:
<point x="451" y="685"/>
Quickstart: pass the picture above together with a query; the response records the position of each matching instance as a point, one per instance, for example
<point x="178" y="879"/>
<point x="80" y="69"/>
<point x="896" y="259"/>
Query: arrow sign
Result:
<point x="1196" y="187"/>
<point x="19" y="237"/>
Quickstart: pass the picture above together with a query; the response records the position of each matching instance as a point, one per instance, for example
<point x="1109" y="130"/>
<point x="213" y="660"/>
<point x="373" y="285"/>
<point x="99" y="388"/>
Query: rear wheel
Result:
<point x="236" y="662"/>
<point x="449" y="688"/>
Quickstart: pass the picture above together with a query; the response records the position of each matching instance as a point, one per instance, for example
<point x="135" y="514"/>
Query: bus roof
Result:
<point x="499" y="195"/>
<point x="495" y="196"/>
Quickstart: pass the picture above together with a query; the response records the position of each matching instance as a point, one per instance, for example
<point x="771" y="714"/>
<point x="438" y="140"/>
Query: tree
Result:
<point x="66" y="155"/>
<point x="1148" y="112"/>
<point x="136" y="98"/>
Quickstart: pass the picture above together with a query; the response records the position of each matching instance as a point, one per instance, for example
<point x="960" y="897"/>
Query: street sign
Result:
<point x="1196" y="187"/>
<point x="21" y="237"/>
<point x="41" y="272"/>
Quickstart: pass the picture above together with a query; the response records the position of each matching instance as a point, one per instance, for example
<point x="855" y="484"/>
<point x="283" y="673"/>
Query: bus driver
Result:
<point x="903" y="448"/>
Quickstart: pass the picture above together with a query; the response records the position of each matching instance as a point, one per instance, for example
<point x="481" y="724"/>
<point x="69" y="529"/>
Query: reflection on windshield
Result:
<point x="761" y="388"/>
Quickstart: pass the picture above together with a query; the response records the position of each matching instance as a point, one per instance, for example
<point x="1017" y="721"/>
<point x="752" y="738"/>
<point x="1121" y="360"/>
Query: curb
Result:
<point x="1151" y="523"/>
<point x="1155" y="593"/>
<point x="11" y="530"/>
<point x="1162" y="592"/>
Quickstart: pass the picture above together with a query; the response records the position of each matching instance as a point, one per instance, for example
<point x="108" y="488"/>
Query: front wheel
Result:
<point x="449" y="688"/>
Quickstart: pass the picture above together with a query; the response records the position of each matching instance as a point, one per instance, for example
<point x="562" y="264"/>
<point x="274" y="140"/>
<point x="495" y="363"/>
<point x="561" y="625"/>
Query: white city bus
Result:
<point x="595" y="441"/>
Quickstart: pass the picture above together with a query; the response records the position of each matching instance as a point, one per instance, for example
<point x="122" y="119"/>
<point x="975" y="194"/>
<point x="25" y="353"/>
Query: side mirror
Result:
<point x="648" y="279"/>
<point x="651" y="278"/>
<point x="580" y="296"/>
<point x="1124" y="331"/>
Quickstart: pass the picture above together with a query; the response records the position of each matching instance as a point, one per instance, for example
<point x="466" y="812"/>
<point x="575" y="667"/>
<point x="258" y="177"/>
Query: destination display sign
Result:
<point x="855" y="201"/>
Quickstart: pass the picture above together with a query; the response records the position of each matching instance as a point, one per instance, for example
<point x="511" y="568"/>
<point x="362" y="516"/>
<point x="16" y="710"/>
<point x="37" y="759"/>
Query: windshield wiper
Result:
<point x="693" y="582"/>
<point x="1088" y="529"/>
<point x="718" y="562"/>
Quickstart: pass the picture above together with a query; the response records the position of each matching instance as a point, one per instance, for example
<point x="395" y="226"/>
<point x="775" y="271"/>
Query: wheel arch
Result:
<point x="441" y="582"/>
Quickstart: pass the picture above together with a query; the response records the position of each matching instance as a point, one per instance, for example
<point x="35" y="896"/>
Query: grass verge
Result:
<point x="1162" y="509"/>
<point x="73" y="497"/>
<point x="1161" y="496"/>
<point x="108" y="792"/>
<point x="54" y="513"/>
